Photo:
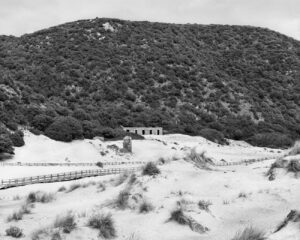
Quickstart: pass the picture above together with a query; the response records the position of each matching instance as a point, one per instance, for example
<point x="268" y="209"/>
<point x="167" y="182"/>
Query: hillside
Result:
<point x="211" y="80"/>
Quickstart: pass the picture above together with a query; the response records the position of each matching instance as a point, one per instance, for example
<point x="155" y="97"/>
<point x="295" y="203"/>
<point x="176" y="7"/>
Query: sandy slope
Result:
<point x="265" y="205"/>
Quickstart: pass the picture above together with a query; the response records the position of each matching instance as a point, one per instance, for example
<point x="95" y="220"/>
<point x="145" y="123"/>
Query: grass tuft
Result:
<point x="250" y="233"/>
<point x="179" y="217"/>
<point x="122" y="199"/>
<point x="73" y="187"/>
<point x="204" y="205"/>
<point x="41" y="197"/>
<point x="151" y="169"/>
<point x="62" y="189"/>
<point x="105" y="224"/>
<point x="67" y="222"/>
<point x="146" y="207"/>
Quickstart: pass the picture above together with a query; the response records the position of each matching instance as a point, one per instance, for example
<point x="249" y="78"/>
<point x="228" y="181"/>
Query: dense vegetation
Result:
<point x="92" y="76"/>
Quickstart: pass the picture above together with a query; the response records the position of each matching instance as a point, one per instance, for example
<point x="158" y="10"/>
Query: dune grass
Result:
<point x="249" y="233"/>
<point x="105" y="224"/>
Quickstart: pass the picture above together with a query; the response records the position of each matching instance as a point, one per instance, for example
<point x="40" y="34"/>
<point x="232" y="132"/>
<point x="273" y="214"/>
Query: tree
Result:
<point x="17" y="138"/>
<point x="41" y="122"/>
<point x="6" y="145"/>
<point x="65" y="129"/>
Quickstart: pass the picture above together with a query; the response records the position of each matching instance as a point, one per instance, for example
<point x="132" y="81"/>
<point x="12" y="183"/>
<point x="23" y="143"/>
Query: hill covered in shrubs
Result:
<point x="89" y="77"/>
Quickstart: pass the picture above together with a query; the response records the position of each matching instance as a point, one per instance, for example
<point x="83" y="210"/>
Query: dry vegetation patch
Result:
<point x="250" y="233"/>
<point x="105" y="224"/>
<point x="14" y="232"/>
<point x="66" y="222"/>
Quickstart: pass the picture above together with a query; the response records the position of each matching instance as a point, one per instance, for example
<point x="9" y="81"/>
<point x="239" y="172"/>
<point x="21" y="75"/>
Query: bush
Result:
<point x="65" y="129"/>
<point x="204" y="205"/>
<point x="41" y="122"/>
<point x="179" y="217"/>
<point x="146" y="207"/>
<point x="17" y="139"/>
<point x="293" y="166"/>
<point x="249" y="233"/>
<point x="273" y="140"/>
<point x="66" y="223"/>
<point x="73" y="187"/>
<point x="16" y="216"/>
<point x="122" y="199"/>
<point x="14" y="232"/>
<point x="40" y="197"/>
<point x="6" y="145"/>
<point x="105" y="225"/>
<point x="99" y="164"/>
<point x="151" y="169"/>
<point x="213" y="135"/>
<point x="200" y="159"/>
<point x="62" y="189"/>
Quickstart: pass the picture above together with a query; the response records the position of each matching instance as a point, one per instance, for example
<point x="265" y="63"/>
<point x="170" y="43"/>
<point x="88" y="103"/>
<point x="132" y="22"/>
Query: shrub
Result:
<point x="242" y="195"/>
<point x="62" y="189"/>
<point x="74" y="186"/>
<point x="122" y="199"/>
<point x="99" y="164"/>
<point x="213" y="135"/>
<point x="151" y="169"/>
<point x="6" y="145"/>
<point x="14" y="232"/>
<point x="64" y="129"/>
<point x="200" y="159"/>
<point x="105" y="225"/>
<point x="179" y="217"/>
<point x="293" y="166"/>
<point x="249" y="233"/>
<point x="270" y="140"/>
<point x="132" y="179"/>
<point x="17" y="138"/>
<point x="295" y="150"/>
<point x="40" y="197"/>
<point x="204" y="205"/>
<point x="145" y="207"/>
<point x="38" y="234"/>
<point x="56" y="236"/>
<point x="41" y="122"/>
<point x="66" y="223"/>
<point x="16" y="216"/>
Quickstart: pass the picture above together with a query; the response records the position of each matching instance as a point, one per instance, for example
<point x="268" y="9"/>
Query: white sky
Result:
<point x="24" y="16"/>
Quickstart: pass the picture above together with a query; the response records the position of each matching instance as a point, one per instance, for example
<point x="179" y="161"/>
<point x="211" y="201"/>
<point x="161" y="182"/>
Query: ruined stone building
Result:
<point x="144" y="130"/>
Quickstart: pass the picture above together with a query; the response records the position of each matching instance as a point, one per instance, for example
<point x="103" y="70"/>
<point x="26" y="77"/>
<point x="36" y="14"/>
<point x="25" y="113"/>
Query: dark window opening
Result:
<point x="157" y="132"/>
<point x="150" y="131"/>
<point x="127" y="130"/>
<point x="143" y="132"/>
<point x="135" y="131"/>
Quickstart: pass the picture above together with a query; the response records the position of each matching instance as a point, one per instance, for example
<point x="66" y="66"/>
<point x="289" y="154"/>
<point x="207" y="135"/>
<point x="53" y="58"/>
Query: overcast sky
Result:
<point x="24" y="16"/>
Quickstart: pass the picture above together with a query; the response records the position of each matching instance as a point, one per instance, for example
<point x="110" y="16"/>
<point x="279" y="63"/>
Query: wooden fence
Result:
<point x="66" y="176"/>
<point x="28" y="164"/>
<point x="246" y="162"/>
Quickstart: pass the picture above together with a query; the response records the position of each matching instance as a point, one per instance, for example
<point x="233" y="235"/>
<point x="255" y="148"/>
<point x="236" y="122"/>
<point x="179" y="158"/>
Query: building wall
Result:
<point x="145" y="130"/>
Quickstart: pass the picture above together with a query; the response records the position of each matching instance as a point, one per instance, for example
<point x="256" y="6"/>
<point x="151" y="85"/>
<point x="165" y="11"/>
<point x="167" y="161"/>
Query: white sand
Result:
<point x="266" y="203"/>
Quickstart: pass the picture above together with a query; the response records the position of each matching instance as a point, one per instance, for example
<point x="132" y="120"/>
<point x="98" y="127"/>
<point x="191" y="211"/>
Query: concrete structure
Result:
<point x="144" y="130"/>
<point x="127" y="144"/>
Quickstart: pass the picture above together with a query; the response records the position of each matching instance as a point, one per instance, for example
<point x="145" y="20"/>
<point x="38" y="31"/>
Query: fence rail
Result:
<point x="66" y="176"/>
<point x="71" y="164"/>
<point x="246" y="162"/>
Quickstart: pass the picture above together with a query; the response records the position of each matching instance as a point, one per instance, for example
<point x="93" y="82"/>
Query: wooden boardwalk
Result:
<point x="66" y="176"/>
<point x="88" y="164"/>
